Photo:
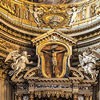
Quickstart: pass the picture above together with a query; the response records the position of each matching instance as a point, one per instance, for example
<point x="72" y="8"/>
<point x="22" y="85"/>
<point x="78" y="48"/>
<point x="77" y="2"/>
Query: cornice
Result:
<point x="86" y="44"/>
<point x="75" y="33"/>
<point x="17" y="22"/>
<point x="37" y="31"/>
<point x="14" y="33"/>
<point x="13" y="39"/>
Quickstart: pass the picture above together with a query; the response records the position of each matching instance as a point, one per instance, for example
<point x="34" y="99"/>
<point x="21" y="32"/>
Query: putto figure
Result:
<point x="38" y="12"/>
<point x="19" y="61"/>
<point x="88" y="62"/>
<point x="74" y="14"/>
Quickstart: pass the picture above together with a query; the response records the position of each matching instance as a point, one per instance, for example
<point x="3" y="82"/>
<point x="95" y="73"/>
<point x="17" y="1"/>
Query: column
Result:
<point x="31" y="96"/>
<point x="75" y="96"/>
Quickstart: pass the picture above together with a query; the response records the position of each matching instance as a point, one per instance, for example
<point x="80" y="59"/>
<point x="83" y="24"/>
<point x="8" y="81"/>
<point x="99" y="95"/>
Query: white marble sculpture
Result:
<point x="37" y="15"/>
<point x="88" y="63"/>
<point x="74" y="14"/>
<point x="25" y="98"/>
<point x="19" y="61"/>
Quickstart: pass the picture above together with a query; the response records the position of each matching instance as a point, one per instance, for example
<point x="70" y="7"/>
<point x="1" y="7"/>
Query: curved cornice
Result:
<point x="71" y="32"/>
<point x="90" y="42"/>
<point x="30" y="29"/>
<point x="81" y="36"/>
<point x="21" y="34"/>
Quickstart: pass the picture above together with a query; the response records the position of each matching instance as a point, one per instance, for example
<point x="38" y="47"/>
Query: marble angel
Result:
<point x="88" y="62"/>
<point x="19" y="61"/>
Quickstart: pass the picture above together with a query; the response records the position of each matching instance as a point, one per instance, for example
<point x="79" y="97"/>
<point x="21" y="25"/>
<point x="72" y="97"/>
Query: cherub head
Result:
<point x="74" y="9"/>
<point x="24" y="53"/>
<point x="85" y="53"/>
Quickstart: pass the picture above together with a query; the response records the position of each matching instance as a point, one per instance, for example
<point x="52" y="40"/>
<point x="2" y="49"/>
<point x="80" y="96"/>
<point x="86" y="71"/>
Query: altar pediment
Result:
<point x="54" y="36"/>
<point x="57" y="48"/>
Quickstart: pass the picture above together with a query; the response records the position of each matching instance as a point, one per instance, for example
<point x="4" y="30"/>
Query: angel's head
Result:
<point x="85" y="53"/>
<point x="24" y="53"/>
<point x="74" y="8"/>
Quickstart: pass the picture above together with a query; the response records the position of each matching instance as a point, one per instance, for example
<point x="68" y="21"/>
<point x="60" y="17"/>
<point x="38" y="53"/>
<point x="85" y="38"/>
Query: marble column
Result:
<point x="75" y="96"/>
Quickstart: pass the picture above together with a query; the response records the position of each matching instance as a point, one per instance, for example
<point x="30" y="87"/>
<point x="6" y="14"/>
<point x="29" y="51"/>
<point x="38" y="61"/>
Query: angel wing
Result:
<point x="81" y="60"/>
<point x="96" y="54"/>
<point x="12" y="55"/>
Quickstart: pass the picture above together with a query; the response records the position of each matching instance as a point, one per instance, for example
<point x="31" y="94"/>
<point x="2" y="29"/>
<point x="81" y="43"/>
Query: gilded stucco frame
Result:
<point x="46" y="39"/>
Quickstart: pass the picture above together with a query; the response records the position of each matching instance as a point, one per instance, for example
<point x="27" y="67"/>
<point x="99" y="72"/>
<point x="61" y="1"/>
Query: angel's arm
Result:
<point x="81" y="60"/>
<point x="27" y="61"/>
<point x="61" y="51"/>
